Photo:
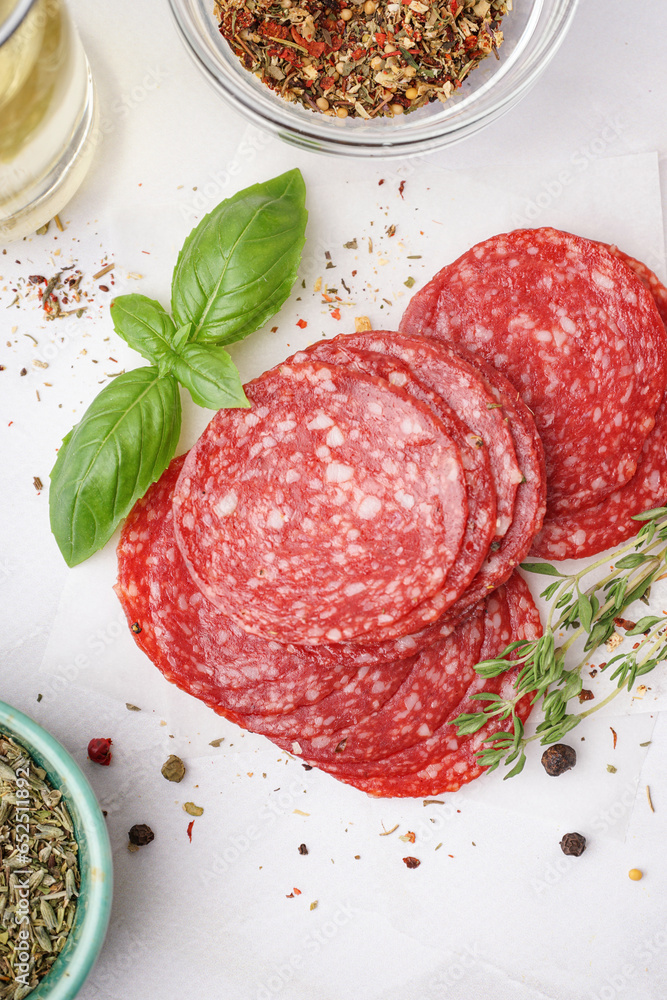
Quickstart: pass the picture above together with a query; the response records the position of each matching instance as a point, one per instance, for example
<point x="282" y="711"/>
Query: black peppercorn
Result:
<point x="140" y="835"/>
<point x="558" y="759"/>
<point x="574" y="844"/>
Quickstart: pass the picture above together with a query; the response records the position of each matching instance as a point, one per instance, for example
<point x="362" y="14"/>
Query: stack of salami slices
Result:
<point x="328" y="566"/>
<point x="578" y="327"/>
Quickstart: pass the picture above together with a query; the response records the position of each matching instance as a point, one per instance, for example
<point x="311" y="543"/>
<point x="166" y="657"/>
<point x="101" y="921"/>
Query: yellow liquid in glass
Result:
<point x="32" y="62"/>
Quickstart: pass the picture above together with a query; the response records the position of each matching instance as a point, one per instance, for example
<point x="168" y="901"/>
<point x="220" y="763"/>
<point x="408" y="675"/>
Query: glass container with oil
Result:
<point x="47" y="114"/>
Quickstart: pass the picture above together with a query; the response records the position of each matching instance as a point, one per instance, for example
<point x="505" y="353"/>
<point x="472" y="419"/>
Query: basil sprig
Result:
<point x="234" y="272"/>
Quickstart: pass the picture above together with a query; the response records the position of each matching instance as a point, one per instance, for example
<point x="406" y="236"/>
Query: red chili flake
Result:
<point x="316" y="49"/>
<point x="297" y="892"/>
<point x="302" y="323"/>
<point x="358" y="53"/>
<point x="453" y="7"/>
<point x="401" y="188"/>
<point x="190" y="825"/>
<point x="412" y="862"/>
<point x="335" y="313"/>
<point x="99" y="751"/>
<point x="381" y="39"/>
<point x="327" y="82"/>
<point x="585" y="695"/>
<point x="613" y="732"/>
<point x="410" y="837"/>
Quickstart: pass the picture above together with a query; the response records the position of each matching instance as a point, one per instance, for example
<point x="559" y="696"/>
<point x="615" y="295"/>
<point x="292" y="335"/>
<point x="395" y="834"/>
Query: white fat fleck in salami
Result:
<point x="280" y="563"/>
<point x="587" y="532"/>
<point x="578" y="336"/>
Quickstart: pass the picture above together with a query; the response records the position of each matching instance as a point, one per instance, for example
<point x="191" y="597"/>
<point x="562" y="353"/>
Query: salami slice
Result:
<point x="443" y="370"/>
<point x="530" y="503"/>
<point x="481" y="524"/>
<point x="195" y="646"/>
<point x="525" y="503"/>
<point x="362" y="696"/>
<point x="496" y="634"/>
<point x="306" y="521"/>
<point x="575" y="332"/>
<point x="450" y="758"/>
<point x="436" y="684"/>
<point x="586" y="532"/>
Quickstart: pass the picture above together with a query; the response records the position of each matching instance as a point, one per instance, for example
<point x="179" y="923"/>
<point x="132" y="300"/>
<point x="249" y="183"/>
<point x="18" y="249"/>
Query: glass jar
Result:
<point x="47" y="114"/>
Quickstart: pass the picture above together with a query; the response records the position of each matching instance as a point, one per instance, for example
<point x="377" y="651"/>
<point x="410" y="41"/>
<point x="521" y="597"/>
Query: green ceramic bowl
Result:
<point x="92" y="914"/>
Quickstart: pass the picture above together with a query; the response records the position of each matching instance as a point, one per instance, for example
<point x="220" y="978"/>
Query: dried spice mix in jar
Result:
<point x="362" y="58"/>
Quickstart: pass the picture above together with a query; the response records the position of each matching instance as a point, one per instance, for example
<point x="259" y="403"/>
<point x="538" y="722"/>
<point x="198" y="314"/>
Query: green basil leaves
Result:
<point x="238" y="265"/>
<point x="233" y="273"/>
<point x="125" y="441"/>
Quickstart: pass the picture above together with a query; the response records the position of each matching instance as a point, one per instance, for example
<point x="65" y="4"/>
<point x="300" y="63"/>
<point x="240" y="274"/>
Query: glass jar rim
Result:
<point x="14" y="19"/>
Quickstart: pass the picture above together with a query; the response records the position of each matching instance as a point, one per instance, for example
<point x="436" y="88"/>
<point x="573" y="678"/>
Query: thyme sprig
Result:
<point x="592" y="612"/>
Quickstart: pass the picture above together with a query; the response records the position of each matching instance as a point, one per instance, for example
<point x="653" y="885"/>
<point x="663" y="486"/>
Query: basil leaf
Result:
<point x="236" y="268"/>
<point x="210" y="376"/>
<point x="144" y="325"/>
<point x="123" y="443"/>
<point x="181" y="336"/>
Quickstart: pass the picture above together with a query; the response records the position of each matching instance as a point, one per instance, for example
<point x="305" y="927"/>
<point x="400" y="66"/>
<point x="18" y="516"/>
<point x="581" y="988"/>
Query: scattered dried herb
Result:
<point x="140" y="835"/>
<point x="39" y="872"/>
<point x="218" y="742"/>
<point x="99" y="751"/>
<point x="37" y="483"/>
<point x="611" y="768"/>
<point x="650" y="801"/>
<point x="173" y="768"/>
<point x="362" y="59"/>
<point x="193" y="810"/>
<point x="385" y="833"/>
<point x="104" y="270"/>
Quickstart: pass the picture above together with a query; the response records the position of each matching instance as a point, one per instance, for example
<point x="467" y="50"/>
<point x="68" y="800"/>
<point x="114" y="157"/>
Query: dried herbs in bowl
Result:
<point x="55" y="866"/>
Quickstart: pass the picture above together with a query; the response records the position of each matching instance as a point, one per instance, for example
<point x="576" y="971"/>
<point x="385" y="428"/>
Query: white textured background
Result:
<point x="508" y="916"/>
